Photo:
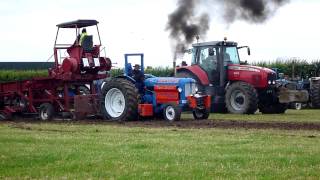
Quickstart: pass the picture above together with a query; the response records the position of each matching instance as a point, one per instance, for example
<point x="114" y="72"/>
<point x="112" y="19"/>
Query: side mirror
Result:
<point x="189" y="51"/>
<point x="249" y="51"/>
<point x="244" y="62"/>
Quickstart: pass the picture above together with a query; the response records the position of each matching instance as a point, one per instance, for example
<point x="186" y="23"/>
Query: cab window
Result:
<point x="208" y="58"/>
<point x="232" y="56"/>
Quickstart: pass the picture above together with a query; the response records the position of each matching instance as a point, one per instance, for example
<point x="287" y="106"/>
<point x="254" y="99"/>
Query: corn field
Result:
<point x="292" y="68"/>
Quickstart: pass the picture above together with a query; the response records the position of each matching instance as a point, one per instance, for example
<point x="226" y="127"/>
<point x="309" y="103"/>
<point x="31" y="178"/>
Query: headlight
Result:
<point x="273" y="82"/>
<point x="269" y="82"/>
<point x="196" y="89"/>
<point x="180" y="90"/>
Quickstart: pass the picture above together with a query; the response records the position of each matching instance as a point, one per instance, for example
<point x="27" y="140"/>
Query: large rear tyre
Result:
<point x="120" y="99"/>
<point x="273" y="108"/>
<point x="172" y="112"/>
<point x="315" y="94"/>
<point x="46" y="112"/>
<point x="241" y="98"/>
<point x="200" y="114"/>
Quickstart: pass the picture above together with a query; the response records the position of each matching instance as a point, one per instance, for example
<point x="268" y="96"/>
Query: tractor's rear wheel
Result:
<point x="120" y="99"/>
<point x="46" y="112"/>
<point x="241" y="98"/>
<point x="200" y="114"/>
<point x="315" y="94"/>
<point x="277" y="108"/>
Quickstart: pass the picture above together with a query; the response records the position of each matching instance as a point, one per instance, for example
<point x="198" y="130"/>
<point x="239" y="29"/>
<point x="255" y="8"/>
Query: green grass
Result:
<point x="75" y="151"/>
<point x="306" y="115"/>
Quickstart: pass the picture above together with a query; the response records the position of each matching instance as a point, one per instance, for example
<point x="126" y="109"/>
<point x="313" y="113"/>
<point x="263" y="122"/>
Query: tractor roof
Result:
<point x="216" y="43"/>
<point x="78" y="23"/>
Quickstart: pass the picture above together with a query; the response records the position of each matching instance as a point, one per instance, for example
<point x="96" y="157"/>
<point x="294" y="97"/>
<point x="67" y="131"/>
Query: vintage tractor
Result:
<point x="240" y="89"/>
<point x="76" y="68"/>
<point x="122" y="100"/>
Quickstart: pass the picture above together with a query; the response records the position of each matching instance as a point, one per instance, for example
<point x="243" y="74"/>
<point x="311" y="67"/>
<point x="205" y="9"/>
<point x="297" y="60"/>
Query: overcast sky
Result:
<point x="28" y="29"/>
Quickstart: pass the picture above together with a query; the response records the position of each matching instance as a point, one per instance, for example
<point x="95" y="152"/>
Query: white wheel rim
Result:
<point x="115" y="103"/>
<point x="298" y="106"/>
<point x="44" y="114"/>
<point x="238" y="106"/>
<point x="170" y="113"/>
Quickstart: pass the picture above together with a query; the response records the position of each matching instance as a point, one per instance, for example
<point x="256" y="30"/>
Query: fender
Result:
<point x="122" y="77"/>
<point x="196" y="71"/>
<point x="127" y="78"/>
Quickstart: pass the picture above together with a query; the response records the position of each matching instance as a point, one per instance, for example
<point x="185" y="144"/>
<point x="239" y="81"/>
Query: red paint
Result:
<point x="145" y="110"/>
<point x="256" y="76"/>
<point x="166" y="94"/>
<point x="207" y="102"/>
<point x="198" y="71"/>
<point x="193" y="102"/>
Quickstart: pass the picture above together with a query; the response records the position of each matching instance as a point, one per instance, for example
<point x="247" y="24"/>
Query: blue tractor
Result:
<point x="123" y="98"/>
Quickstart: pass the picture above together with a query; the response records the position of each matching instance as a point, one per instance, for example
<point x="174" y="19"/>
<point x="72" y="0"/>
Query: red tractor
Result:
<point x="240" y="89"/>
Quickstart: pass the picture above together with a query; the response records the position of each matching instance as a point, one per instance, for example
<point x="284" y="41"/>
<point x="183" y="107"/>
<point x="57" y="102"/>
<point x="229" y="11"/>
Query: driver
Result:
<point x="211" y="61"/>
<point x="138" y="76"/>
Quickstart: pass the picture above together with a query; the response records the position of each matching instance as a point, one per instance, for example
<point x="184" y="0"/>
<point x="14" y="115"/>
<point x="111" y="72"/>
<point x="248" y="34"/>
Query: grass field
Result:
<point x="83" y="151"/>
<point x="307" y="115"/>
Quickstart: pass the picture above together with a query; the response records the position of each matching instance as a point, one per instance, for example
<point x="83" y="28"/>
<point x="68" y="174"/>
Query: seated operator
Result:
<point x="211" y="61"/>
<point x="81" y="37"/>
<point x="138" y="76"/>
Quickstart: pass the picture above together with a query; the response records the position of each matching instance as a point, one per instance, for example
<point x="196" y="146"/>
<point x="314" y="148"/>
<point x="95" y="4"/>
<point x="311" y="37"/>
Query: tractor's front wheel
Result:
<point x="120" y="99"/>
<point x="46" y="112"/>
<point x="172" y="112"/>
<point x="296" y="106"/>
<point x="200" y="114"/>
<point x="241" y="98"/>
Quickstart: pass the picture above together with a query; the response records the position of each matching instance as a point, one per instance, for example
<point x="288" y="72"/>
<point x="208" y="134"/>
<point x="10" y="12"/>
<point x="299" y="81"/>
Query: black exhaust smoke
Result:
<point x="184" y="24"/>
<point x="254" y="11"/>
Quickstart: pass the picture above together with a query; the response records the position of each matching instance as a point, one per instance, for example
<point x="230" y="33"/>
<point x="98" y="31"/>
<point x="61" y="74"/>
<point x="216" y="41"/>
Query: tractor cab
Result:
<point x="73" y="57"/>
<point x="214" y="57"/>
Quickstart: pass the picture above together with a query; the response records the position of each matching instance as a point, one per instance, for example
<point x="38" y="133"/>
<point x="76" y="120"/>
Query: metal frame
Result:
<point x="126" y="58"/>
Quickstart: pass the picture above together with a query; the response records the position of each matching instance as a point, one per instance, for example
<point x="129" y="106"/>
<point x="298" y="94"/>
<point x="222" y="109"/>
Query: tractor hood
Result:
<point x="250" y="68"/>
<point x="259" y="77"/>
<point x="169" y="81"/>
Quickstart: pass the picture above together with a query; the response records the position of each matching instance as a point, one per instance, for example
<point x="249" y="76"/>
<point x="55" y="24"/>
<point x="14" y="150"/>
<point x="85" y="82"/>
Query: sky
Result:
<point x="28" y="29"/>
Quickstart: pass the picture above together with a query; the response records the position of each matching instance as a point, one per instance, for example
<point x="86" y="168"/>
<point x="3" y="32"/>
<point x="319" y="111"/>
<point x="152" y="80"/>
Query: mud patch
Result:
<point x="226" y="124"/>
<point x="184" y="124"/>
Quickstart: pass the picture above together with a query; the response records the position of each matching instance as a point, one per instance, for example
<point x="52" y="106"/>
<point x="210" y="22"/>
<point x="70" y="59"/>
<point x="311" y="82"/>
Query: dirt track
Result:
<point x="193" y="124"/>
<point x="225" y="124"/>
